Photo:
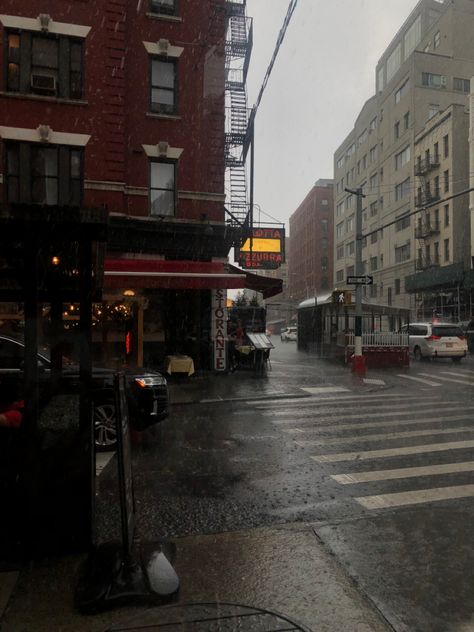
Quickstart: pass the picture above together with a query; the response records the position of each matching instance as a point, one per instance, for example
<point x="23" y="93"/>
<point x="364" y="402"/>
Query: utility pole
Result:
<point x="358" y="362"/>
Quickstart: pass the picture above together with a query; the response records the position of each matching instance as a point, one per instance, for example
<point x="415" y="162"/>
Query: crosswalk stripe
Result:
<point x="404" y="472"/>
<point x="362" y="415"/>
<point x="458" y="374"/>
<point x="384" y="436"/>
<point x="367" y="455"/>
<point x="376" y="424"/>
<point x="320" y="390"/>
<point x="419" y="379"/>
<point x="399" y="499"/>
<point x="449" y="379"/>
<point x="262" y="404"/>
<point x="367" y="380"/>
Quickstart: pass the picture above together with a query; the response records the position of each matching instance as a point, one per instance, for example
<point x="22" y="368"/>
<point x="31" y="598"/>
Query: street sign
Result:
<point x="360" y="280"/>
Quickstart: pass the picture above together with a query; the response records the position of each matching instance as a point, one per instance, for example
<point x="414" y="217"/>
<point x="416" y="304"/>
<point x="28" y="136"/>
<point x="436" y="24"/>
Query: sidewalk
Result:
<point x="285" y="570"/>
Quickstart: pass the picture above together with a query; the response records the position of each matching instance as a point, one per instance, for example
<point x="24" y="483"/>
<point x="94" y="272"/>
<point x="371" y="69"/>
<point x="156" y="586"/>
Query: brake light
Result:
<point x="431" y="338"/>
<point x="463" y="338"/>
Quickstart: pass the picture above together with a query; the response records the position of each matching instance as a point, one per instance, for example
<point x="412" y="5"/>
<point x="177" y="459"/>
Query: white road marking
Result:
<point x="404" y="472"/>
<point x="374" y="381"/>
<point x="449" y="379"/>
<point x="458" y="374"/>
<point x="321" y="390"/>
<point x="419" y="379"/>
<point x="367" y="455"/>
<point x="390" y="413"/>
<point x="376" y="424"/>
<point x="263" y="404"/>
<point x="384" y="436"/>
<point x="399" y="499"/>
<point x="101" y="461"/>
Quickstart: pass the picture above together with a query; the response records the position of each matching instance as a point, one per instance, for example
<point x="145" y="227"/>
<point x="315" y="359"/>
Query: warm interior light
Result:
<point x="129" y="293"/>
<point x="55" y="261"/>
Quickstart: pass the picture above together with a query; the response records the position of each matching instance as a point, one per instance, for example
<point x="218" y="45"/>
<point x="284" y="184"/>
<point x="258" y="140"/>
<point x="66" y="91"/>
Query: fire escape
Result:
<point x="426" y="227"/>
<point x="238" y="48"/>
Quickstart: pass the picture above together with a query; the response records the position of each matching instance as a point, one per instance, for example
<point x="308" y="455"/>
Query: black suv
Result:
<point x="147" y="391"/>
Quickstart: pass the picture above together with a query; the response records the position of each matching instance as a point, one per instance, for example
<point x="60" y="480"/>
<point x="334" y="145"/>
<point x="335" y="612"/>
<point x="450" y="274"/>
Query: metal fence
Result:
<point x="380" y="339"/>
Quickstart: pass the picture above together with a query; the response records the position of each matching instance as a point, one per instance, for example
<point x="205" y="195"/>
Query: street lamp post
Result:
<point x="358" y="363"/>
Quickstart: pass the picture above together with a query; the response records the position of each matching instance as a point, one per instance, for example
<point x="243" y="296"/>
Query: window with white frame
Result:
<point x="164" y="7"/>
<point x="412" y="37"/>
<point x="432" y="80"/>
<point x="402" y="158"/>
<point x="373" y="154"/>
<point x="340" y="251"/>
<point x="339" y="275"/>
<point x="402" y="222"/>
<point x="394" y="61"/>
<point x="163" y="98"/>
<point x="350" y="224"/>
<point x="350" y="249"/>
<point x="340" y="229"/>
<point x="162" y="187"/>
<point x="402" y="253"/>
<point x="402" y="189"/>
<point x="402" y="90"/>
<point x="373" y="264"/>
<point x="463" y="85"/>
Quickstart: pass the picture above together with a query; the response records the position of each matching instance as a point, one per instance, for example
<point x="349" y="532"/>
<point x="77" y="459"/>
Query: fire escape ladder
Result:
<point x="238" y="44"/>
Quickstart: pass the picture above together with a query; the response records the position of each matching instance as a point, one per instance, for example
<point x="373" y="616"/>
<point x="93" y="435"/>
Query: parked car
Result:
<point x="436" y="340"/>
<point x="290" y="333"/>
<point x="147" y="391"/>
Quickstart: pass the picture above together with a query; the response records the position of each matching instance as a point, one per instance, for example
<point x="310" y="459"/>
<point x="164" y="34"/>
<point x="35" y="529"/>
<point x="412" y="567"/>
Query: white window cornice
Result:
<point x="36" y="24"/>
<point x="42" y="134"/>
<point x="162" y="150"/>
<point x="163" y="48"/>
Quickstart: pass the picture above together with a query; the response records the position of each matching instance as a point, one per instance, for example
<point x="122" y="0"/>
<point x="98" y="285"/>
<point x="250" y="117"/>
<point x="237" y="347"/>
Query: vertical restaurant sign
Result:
<point x="219" y="329"/>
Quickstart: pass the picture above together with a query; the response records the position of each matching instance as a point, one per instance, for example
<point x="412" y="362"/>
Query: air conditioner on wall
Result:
<point x="43" y="83"/>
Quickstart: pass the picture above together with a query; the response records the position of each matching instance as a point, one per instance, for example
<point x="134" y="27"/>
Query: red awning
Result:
<point x="160" y="273"/>
<point x="268" y="286"/>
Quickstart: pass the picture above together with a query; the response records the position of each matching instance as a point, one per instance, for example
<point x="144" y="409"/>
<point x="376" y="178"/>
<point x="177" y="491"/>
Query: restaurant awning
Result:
<point x="169" y="274"/>
<point x="268" y="286"/>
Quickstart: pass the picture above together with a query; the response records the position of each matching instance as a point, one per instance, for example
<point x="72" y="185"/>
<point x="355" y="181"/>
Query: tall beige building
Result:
<point x="416" y="115"/>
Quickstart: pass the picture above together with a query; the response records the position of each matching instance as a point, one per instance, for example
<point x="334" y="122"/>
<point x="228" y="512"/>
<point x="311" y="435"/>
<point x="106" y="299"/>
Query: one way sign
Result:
<point x="364" y="279"/>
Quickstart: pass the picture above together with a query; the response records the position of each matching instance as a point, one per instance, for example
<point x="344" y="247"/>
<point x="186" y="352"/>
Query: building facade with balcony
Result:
<point x="311" y="239"/>
<point x="121" y="105"/>
<point x="423" y="72"/>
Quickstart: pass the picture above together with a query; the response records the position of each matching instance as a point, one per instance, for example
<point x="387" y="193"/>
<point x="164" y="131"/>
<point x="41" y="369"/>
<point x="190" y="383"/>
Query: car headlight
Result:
<point x="156" y="380"/>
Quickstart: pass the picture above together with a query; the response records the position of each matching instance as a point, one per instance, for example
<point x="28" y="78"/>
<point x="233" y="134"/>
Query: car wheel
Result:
<point x="417" y="354"/>
<point x="105" y="431"/>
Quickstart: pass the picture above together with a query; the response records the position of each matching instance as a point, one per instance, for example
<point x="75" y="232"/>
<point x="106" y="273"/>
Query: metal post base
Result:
<point x="109" y="580"/>
<point x="358" y="365"/>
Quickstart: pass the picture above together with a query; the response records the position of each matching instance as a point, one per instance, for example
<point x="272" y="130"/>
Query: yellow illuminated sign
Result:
<point x="262" y="245"/>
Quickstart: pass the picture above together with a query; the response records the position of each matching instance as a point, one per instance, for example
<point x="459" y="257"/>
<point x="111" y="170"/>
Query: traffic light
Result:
<point x="342" y="297"/>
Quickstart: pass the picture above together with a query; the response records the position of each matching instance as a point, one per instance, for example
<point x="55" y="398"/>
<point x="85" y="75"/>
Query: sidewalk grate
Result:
<point x="213" y="617"/>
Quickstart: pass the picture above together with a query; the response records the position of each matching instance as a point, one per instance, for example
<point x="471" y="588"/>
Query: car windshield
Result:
<point x="446" y="330"/>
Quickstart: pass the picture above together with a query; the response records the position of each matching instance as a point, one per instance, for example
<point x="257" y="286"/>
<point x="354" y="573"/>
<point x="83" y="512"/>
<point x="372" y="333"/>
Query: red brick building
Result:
<point x="311" y="243"/>
<point x="121" y="104"/>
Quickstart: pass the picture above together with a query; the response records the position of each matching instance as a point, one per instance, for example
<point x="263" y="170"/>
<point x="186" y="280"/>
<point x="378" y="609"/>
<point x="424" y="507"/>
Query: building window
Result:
<point x="381" y="203"/>
<point x="350" y="249"/>
<point x="402" y="253"/>
<point x="397" y="286"/>
<point x="393" y="62"/>
<point x="324" y="202"/>
<point x="373" y="181"/>
<point x="446" y="250"/>
<point x="340" y="276"/>
<point x="340" y="229"/>
<point x="380" y="79"/>
<point x="402" y="91"/>
<point x="340" y="209"/>
<point x="389" y="295"/>
<point x="324" y="264"/>
<point x="364" y="161"/>
<point x="340" y="251"/>
<point x="412" y="37"/>
<point x="396" y="129"/>
<point x="350" y="271"/>
<point x="47" y="65"/>
<point x="324" y="225"/>
<point x="446" y="215"/>
<point x="44" y="174"/>
<point x="402" y="189"/>
<point x="162" y="188"/>
<point x="463" y="85"/>
<point x="163" y="86"/>
<point x="433" y="109"/>
<point x="340" y="162"/>
<point x="324" y="243"/>
<point x="373" y="238"/>
<point x="436" y="39"/>
<point x="406" y="120"/>
<point x="373" y="124"/>
<point x="373" y="290"/>
<point x="403" y="221"/>
<point x="402" y="158"/>
<point x="373" y="264"/>
<point x="436" y="152"/>
<point x="373" y="154"/>
<point x="446" y="145"/>
<point x="432" y="80"/>
<point x="446" y="180"/>
<point x="373" y="209"/>
<point x="350" y="224"/>
<point x="164" y="7"/>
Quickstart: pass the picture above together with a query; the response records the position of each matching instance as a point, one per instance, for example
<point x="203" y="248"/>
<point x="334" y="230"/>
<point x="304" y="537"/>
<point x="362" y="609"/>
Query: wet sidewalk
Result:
<point x="267" y="579"/>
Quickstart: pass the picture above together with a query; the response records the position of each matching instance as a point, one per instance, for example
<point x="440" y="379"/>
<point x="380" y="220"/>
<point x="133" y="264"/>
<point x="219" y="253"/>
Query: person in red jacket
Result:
<point x="11" y="409"/>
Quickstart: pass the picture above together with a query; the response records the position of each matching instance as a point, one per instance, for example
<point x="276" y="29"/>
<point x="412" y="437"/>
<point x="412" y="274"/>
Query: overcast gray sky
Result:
<point x="324" y="73"/>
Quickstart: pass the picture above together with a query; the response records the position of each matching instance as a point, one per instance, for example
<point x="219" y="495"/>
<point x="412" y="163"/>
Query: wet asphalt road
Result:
<point x="348" y="458"/>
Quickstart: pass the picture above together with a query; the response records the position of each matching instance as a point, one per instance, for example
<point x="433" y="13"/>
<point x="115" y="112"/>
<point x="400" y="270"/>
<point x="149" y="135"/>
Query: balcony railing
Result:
<point x="427" y="198"/>
<point x="426" y="262"/>
<point x="426" y="229"/>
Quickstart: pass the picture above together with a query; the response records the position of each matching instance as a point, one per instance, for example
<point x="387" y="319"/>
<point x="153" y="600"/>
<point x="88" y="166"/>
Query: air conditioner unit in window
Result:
<point x="443" y="81"/>
<point x="43" y="83"/>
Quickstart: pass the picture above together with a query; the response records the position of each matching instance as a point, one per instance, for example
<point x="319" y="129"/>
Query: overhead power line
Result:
<point x="281" y="37"/>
